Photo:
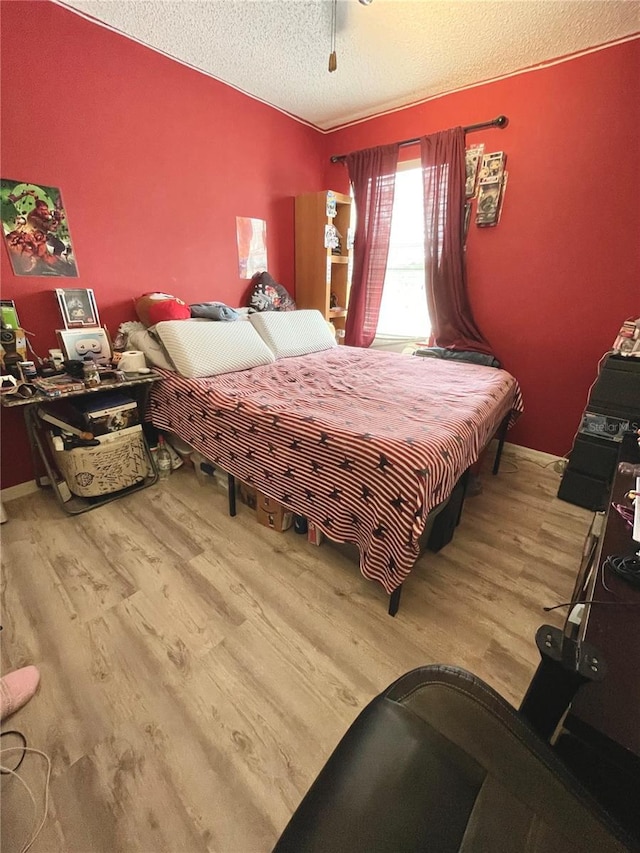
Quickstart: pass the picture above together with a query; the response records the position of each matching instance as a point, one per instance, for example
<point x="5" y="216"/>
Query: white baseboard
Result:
<point x="18" y="491"/>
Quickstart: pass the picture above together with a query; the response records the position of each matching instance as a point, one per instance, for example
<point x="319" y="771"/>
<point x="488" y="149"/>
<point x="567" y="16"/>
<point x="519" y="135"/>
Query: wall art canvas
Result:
<point x="252" y="246"/>
<point x="36" y="231"/>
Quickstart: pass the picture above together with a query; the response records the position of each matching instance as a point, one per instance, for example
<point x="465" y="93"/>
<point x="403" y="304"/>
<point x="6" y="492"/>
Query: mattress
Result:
<point x="363" y="443"/>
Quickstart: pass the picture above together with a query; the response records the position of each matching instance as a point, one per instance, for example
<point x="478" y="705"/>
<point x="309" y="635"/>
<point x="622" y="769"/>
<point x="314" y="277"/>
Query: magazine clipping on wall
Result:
<point x="473" y="155"/>
<point x="36" y="230"/>
<point x="492" y="183"/>
<point x="490" y="199"/>
<point x="492" y="167"/>
<point x="252" y="246"/>
<point x="467" y="219"/>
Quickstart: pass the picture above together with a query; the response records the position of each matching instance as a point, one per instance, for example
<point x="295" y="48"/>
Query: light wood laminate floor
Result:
<point x="197" y="670"/>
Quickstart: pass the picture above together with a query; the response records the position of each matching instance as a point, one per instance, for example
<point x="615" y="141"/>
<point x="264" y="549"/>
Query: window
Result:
<point x="403" y="312"/>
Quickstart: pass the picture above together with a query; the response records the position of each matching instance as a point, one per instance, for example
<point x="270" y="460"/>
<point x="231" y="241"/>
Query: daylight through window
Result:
<point x="404" y="312"/>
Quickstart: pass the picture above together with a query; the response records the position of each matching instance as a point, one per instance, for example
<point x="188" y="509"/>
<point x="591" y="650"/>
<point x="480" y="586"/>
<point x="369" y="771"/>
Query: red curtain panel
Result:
<point x="372" y="173"/>
<point x="443" y="173"/>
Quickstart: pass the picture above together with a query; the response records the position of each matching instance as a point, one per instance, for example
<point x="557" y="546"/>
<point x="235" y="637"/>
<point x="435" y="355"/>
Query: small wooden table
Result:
<point x="43" y="463"/>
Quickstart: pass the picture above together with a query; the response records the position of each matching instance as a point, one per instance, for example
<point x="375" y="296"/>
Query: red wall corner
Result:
<point x="154" y="161"/>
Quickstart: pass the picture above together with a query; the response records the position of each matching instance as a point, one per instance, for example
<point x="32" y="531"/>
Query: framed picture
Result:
<point x="80" y="343"/>
<point x="78" y="307"/>
<point x="9" y="314"/>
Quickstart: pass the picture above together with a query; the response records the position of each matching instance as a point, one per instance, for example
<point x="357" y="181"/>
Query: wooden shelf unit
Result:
<point x="319" y="272"/>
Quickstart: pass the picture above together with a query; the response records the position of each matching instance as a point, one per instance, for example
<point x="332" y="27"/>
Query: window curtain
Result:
<point x="443" y="174"/>
<point x="372" y="173"/>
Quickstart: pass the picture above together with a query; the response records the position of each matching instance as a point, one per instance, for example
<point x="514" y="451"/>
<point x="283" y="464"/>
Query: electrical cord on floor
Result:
<point x="516" y="468"/>
<point x="547" y="465"/>
<point x="23" y="747"/>
<point x="609" y="564"/>
<point x="627" y="568"/>
<point x="503" y="470"/>
<point x="11" y="771"/>
<point x="590" y="602"/>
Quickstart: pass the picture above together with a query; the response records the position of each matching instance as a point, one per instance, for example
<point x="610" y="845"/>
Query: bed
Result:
<point x="365" y="444"/>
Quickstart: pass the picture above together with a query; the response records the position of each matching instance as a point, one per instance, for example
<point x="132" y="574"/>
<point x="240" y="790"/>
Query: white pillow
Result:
<point x="146" y="341"/>
<point x="206" y="348"/>
<point x="290" y="333"/>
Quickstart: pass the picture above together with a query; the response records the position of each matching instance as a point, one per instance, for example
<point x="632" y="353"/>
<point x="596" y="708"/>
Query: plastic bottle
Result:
<point x="163" y="459"/>
<point x="90" y="373"/>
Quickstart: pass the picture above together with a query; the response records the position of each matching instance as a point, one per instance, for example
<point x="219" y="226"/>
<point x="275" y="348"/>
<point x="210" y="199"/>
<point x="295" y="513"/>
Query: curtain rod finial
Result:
<point x="501" y="121"/>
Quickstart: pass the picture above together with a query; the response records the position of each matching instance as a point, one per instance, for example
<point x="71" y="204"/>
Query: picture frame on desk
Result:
<point x="77" y="307"/>
<point x="9" y="314"/>
<point x="77" y="344"/>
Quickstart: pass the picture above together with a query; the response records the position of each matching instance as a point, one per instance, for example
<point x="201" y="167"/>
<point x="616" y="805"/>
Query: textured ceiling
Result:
<point x="391" y="53"/>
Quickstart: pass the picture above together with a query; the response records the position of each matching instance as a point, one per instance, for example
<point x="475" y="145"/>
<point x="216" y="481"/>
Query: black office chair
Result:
<point x="440" y="762"/>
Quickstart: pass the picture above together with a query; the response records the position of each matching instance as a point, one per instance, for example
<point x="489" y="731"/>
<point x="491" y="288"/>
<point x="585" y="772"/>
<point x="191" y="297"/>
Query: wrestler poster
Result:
<point x="36" y="230"/>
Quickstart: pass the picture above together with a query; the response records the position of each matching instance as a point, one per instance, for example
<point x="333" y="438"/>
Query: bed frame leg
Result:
<point x="465" y="484"/>
<point x="232" y="494"/>
<point x="502" y="434"/>
<point x="394" y="600"/>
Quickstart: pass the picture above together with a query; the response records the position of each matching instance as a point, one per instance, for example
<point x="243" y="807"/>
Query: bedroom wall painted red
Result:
<point x="154" y="161"/>
<point x="552" y="283"/>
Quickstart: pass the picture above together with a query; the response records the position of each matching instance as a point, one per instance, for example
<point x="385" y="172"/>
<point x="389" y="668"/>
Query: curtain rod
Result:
<point x="500" y="121"/>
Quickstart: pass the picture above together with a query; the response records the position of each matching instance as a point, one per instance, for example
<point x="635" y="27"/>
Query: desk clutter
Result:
<point x="96" y="443"/>
<point x="85" y="357"/>
<point x="82" y="404"/>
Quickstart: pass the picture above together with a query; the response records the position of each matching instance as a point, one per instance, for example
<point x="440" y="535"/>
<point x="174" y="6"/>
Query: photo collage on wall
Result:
<point x="486" y="178"/>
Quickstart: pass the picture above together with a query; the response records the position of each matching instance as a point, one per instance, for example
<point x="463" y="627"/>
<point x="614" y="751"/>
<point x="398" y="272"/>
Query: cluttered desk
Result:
<point x="88" y="443"/>
<point x="83" y="408"/>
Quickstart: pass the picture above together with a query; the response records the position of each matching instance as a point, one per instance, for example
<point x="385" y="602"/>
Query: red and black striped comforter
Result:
<point x="363" y="443"/>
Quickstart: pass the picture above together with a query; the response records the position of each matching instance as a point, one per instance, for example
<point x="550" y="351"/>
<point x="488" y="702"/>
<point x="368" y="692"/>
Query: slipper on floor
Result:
<point x="17" y="688"/>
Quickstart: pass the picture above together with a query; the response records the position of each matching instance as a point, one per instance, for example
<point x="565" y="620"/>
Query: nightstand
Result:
<point x="44" y="457"/>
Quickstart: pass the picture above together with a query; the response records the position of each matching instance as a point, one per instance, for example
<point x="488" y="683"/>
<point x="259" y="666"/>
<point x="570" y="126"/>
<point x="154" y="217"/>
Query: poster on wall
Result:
<point x="35" y="228"/>
<point x="252" y="246"/>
